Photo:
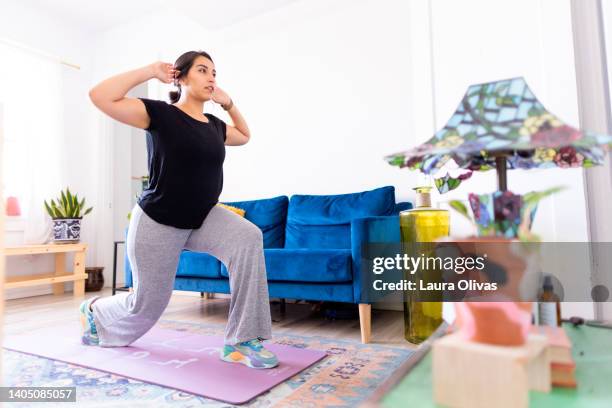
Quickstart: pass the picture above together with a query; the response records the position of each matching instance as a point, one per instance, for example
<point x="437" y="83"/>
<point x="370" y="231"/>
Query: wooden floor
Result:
<point x="24" y="314"/>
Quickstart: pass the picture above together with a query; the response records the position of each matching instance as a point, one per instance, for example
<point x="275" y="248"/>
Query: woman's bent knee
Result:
<point x="251" y="234"/>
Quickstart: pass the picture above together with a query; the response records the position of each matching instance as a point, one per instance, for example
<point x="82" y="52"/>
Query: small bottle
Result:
<point x="549" y="307"/>
<point x="420" y="225"/>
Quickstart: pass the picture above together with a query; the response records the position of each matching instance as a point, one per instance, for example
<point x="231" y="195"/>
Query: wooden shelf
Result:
<point x="41" y="279"/>
<point x="57" y="278"/>
<point x="44" y="249"/>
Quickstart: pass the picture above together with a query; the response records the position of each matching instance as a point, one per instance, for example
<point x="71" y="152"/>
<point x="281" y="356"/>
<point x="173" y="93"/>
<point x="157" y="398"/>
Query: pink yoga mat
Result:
<point x="184" y="361"/>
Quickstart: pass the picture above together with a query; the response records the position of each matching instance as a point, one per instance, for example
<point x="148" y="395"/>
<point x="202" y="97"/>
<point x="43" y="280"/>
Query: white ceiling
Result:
<point x="94" y="16"/>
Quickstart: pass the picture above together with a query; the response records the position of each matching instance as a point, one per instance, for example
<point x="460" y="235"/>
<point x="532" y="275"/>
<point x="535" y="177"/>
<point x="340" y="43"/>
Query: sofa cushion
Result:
<point x="306" y="265"/>
<point x="198" y="265"/>
<point x="323" y="221"/>
<point x="233" y="209"/>
<point x="403" y="206"/>
<point x="269" y="215"/>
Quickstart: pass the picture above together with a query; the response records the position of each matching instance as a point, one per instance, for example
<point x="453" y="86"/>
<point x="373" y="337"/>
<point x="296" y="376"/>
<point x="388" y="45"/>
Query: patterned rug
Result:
<point x="349" y="374"/>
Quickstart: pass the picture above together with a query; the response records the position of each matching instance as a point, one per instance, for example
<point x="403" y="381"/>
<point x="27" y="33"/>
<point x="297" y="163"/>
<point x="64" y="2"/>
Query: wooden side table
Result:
<point x="60" y="275"/>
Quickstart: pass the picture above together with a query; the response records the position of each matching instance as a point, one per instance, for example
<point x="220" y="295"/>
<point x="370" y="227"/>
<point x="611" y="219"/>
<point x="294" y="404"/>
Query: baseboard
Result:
<point x="18" y="293"/>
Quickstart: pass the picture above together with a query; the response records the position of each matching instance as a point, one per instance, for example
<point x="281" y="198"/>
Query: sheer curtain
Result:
<point x="30" y="90"/>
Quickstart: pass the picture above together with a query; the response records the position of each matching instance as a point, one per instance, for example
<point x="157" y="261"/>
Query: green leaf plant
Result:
<point x="67" y="206"/>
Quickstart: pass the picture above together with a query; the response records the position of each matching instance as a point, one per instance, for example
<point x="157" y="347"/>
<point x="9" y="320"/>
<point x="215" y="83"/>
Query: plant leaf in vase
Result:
<point x="530" y="204"/>
<point x="461" y="209"/>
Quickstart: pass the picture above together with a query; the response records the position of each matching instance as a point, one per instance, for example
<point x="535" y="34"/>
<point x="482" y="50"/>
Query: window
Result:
<point x="30" y="92"/>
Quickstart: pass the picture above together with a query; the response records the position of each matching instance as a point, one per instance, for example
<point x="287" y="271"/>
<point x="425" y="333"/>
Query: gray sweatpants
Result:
<point x="154" y="249"/>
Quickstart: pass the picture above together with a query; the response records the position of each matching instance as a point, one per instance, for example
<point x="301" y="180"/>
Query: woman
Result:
<point x="186" y="150"/>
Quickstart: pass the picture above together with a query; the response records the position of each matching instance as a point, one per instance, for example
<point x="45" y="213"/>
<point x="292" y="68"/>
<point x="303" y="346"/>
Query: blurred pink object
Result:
<point x="12" y="206"/>
<point x="499" y="323"/>
<point x="498" y="318"/>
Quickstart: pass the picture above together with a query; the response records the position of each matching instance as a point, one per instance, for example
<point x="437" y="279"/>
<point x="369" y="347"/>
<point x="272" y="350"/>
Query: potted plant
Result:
<point x="503" y="221"/>
<point x="66" y="214"/>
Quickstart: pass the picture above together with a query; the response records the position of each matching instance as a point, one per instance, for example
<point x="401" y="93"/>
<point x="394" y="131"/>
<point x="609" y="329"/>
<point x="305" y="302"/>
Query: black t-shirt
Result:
<point x="185" y="157"/>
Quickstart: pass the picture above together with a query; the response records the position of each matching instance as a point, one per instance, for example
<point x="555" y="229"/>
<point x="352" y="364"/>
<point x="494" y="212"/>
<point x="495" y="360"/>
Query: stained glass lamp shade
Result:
<point x="501" y="125"/>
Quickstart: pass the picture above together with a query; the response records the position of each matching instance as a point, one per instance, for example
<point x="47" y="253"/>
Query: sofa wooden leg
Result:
<point x="365" y="321"/>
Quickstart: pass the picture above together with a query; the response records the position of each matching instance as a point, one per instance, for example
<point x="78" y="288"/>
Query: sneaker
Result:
<point x="250" y="353"/>
<point x="90" y="334"/>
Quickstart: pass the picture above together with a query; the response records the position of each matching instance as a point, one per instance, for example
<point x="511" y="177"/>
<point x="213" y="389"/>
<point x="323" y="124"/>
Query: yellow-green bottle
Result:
<point x="419" y="226"/>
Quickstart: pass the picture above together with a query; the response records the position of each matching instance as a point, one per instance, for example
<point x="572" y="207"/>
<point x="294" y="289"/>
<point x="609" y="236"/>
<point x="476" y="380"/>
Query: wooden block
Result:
<point x="558" y="343"/>
<point x="474" y="375"/>
<point x="563" y="375"/>
<point x="538" y="364"/>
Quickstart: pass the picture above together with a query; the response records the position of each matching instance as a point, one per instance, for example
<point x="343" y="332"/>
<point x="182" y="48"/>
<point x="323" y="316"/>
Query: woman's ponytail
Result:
<point x="175" y="95"/>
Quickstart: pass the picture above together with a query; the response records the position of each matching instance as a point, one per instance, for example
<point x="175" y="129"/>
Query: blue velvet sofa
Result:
<point x="312" y="247"/>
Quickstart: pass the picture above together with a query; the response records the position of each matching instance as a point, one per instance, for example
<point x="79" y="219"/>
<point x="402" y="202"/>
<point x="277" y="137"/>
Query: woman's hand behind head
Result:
<point x="164" y="71"/>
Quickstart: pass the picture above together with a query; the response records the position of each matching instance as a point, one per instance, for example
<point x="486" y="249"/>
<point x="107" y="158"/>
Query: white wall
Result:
<point x="129" y="160"/>
<point x="471" y="45"/>
<point x="326" y="90"/>
<point x="35" y="29"/>
<point x="477" y="41"/>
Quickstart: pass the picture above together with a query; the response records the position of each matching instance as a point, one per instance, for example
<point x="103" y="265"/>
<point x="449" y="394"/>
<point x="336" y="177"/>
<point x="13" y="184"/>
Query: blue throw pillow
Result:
<point x="270" y="215"/>
<point x="323" y="221"/>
